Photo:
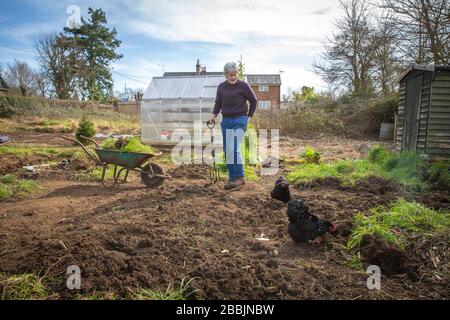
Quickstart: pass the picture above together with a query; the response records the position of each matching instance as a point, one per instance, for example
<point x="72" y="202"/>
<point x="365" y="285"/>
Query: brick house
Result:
<point x="4" y="89"/>
<point x="266" y="88"/>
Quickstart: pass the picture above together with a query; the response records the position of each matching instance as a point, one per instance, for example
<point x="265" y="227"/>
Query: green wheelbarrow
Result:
<point x="152" y="175"/>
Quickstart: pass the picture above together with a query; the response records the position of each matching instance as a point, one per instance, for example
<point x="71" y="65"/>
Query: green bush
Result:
<point x="85" y="128"/>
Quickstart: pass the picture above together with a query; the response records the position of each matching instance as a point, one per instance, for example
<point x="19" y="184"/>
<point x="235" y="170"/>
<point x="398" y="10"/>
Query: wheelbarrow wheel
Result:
<point x="146" y="175"/>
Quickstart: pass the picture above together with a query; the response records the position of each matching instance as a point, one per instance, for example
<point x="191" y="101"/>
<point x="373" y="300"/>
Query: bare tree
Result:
<point x="347" y="61"/>
<point x="386" y="56"/>
<point x="57" y="60"/>
<point x="20" y="77"/>
<point x="44" y="86"/>
<point x="423" y="28"/>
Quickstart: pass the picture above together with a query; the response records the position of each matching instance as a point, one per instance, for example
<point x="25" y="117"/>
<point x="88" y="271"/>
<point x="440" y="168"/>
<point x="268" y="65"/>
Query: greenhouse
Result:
<point x="171" y="103"/>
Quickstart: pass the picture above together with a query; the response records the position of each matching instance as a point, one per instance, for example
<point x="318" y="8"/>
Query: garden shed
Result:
<point x="423" y="120"/>
<point x="176" y="102"/>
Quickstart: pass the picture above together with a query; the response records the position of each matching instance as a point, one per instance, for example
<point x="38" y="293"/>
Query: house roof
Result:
<point x="186" y="74"/>
<point x="183" y="87"/>
<point x="423" y="67"/>
<point x="3" y="85"/>
<point x="273" y="79"/>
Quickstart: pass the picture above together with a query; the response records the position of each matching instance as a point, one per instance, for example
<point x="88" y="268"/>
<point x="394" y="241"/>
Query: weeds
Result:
<point x="23" y="287"/>
<point x="354" y="262"/>
<point x="310" y="155"/>
<point x="348" y="171"/>
<point x="404" y="168"/>
<point x="28" y="150"/>
<point x="402" y="217"/>
<point x="170" y="293"/>
<point x="10" y="187"/>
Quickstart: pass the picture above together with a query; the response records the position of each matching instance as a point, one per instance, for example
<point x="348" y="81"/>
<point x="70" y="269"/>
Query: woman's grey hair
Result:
<point x="230" y="67"/>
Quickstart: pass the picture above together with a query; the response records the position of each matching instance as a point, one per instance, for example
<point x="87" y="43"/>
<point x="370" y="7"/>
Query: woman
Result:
<point x="231" y="100"/>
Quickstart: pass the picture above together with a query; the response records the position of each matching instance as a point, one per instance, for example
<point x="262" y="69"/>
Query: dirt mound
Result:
<point x="376" y="185"/>
<point x="193" y="171"/>
<point x="12" y="163"/>
<point x="391" y="260"/>
<point x="328" y="182"/>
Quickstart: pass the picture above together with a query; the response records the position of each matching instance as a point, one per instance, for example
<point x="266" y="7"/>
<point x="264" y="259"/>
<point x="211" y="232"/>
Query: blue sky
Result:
<point x="271" y="35"/>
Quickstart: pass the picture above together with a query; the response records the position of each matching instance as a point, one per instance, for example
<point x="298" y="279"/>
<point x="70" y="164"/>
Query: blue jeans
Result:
<point x="233" y="129"/>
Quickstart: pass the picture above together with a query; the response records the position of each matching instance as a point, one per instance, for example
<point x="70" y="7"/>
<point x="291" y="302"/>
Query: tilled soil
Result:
<point x="234" y="245"/>
<point x="133" y="237"/>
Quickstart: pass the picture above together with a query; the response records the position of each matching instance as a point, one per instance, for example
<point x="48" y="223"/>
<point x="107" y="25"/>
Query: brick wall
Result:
<point x="273" y="95"/>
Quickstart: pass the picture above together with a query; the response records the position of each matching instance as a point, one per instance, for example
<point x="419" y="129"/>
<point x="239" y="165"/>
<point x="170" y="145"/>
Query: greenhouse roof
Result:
<point x="183" y="87"/>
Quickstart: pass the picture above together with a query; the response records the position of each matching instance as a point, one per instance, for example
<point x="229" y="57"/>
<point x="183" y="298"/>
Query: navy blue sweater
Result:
<point x="232" y="99"/>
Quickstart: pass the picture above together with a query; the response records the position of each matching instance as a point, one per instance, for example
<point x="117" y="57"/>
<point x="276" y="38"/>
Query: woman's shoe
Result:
<point x="235" y="184"/>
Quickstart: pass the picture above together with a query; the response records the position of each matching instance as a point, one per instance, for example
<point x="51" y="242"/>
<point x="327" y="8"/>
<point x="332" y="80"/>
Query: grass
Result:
<point x="10" y="187"/>
<point x="182" y="292"/>
<point x="348" y="171"/>
<point x="62" y="115"/>
<point x="23" y="287"/>
<point x="403" y="168"/>
<point x="250" y="170"/>
<point x="394" y="223"/>
<point x="28" y="150"/>
<point x="55" y="125"/>
<point x="99" y="296"/>
<point x="96" y="173"/>
<point x="354" y="262"/>
<point x="32" y="287"/>
<point x="440" y="174"/>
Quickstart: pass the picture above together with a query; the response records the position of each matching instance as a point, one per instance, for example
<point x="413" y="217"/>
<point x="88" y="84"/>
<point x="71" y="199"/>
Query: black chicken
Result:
<point x="281" y="190"/>
<point x="304" y="226"/>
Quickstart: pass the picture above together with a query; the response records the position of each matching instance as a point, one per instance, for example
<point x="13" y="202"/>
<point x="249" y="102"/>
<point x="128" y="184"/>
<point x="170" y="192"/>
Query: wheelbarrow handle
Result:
<point x="210" y="124"/>
<point x="82" y="146"/>
<point x="91" y="140"/>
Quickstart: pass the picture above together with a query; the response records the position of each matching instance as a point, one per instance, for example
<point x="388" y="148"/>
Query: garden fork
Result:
<point x="214" y="173"/>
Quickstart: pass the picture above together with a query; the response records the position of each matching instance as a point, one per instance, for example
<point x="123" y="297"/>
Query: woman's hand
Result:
<point x="213" y="116"/>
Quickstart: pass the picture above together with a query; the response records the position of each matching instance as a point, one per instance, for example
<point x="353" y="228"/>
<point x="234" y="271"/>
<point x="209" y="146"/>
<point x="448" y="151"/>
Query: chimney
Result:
<point x="197" y="67"/>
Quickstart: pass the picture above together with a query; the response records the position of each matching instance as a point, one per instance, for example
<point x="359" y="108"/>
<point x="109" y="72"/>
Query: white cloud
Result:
<point x="265" y="33"/>
<point x="26" y="33"/>
<point x="270" y="35"/>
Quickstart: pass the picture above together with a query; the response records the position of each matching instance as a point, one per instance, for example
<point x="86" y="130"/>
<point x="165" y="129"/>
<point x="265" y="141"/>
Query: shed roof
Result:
<point x="187" y="87"/>
<point x="423" y="67"/>
<point x="273" y="79"/>
<point x="3" y="85"/>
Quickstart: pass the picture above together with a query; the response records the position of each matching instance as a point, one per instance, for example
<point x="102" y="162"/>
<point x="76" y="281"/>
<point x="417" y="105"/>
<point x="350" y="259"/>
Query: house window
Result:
<point x="263" y="88"/>
<point x="264" y="104"/>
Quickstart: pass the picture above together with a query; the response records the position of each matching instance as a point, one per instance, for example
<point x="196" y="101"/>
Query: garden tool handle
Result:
<point x="210" y="124"/>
